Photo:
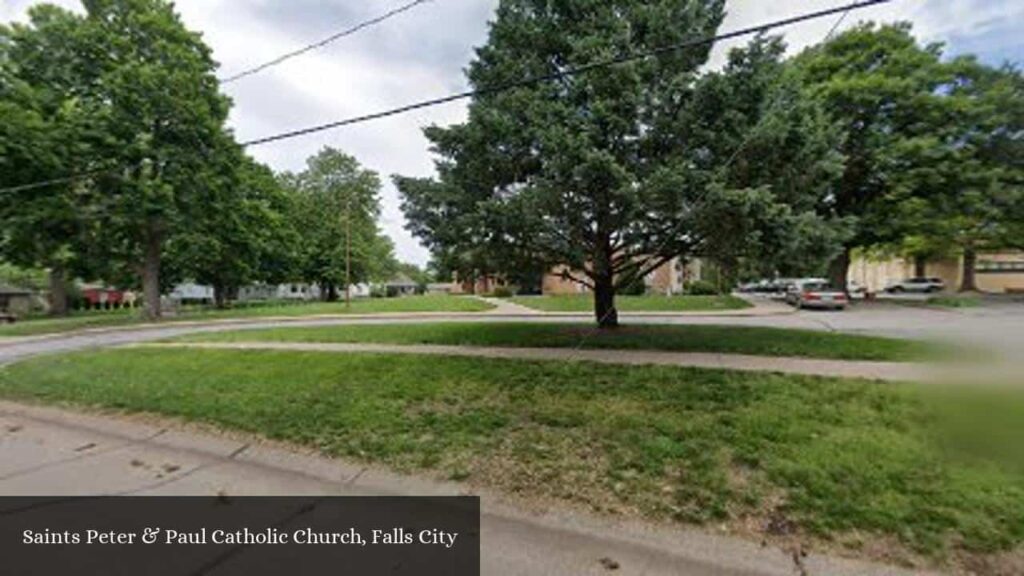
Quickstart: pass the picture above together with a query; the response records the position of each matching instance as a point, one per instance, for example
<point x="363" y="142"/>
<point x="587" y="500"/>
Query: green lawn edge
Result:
<point x="759" y="341"/>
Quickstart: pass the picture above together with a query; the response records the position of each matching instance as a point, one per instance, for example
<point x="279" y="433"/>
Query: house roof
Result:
<point x="8" y="290"/>
<point x="400" y="280"/>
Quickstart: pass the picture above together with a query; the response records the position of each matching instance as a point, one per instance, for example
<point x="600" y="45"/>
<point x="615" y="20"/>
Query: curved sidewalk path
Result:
<point x="894" y="371"/>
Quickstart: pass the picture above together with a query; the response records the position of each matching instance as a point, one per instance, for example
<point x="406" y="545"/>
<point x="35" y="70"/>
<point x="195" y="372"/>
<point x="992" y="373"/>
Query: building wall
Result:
<point x="668" y="279"/>
<point x="554" y="284"/>
<point x="997" y="273"/>
<point x="1001" y="273"/>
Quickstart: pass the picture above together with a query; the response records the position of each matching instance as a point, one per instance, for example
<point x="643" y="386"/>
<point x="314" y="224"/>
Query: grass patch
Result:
<point x="585" y="303"/>
<point x="955" y="301"/>
<point x="828" y="456"/>
<point x="726" y="339"/>
<point x="411" y="304"/>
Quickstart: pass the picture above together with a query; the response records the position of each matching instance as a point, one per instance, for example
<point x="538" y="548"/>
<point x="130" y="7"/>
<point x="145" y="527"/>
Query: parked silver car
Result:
<point x="920" y="285"/>
<point x="815" y="293"/>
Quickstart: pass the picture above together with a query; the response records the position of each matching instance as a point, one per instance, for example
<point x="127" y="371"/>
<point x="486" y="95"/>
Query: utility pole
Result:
<point x="348" y="253"/>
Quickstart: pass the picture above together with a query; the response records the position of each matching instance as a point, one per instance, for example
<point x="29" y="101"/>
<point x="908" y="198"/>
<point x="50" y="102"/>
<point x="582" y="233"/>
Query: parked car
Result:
<point x="856" y="289"/>
<point x="920" y="285"/>
<point x="815" y="293"/>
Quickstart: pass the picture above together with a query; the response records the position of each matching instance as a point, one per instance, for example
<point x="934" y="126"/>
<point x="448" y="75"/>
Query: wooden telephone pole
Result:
<point x="348" y="254"/>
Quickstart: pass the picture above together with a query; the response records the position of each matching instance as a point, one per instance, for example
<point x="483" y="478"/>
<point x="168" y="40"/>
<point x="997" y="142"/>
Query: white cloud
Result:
<point x="419" y="55"/>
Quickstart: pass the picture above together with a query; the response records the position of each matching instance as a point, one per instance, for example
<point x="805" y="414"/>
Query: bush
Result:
<point x="701" y="288"/>
<point x="637" y="288"/>
<point x="504" y="292"/>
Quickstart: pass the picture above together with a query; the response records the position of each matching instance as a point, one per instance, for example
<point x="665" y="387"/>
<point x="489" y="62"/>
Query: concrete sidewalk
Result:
<point x="52" y="452"/>
<point x="892" y="371"/>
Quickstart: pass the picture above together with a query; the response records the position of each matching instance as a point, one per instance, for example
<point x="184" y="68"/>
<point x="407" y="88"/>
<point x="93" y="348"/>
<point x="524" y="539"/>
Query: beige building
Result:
<point x="669" y="279"/>
<point x="997" y="273"/>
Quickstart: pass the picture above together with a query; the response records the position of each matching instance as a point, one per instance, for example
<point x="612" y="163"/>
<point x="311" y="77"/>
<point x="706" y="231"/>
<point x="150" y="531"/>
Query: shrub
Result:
<point x="637" y="288"/>
<point x="701" y="288"/>
<point x="504" y="292"/>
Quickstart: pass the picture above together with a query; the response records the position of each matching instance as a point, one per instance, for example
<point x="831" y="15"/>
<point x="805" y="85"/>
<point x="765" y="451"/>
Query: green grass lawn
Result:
<point x="849" y="461"/>
<point x="411" y="304"/>
<point x="955" y="301"/>
<point x="585" y="303"/>
<point x="728" y="339"/>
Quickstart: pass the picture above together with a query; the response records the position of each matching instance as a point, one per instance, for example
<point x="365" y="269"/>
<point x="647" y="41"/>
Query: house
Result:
<point x="192" y="293"/>
<point x="401" y="285"/>
<point x="14" y="302"/>
<point x="996" y="272"/>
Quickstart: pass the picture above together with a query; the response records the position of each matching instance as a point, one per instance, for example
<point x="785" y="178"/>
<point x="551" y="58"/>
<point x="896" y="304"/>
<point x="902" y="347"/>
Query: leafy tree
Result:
<point x="770" y="153"/>
<point x="957" y="189"/>
<point x="577" y="171"/>
<point x="243" y="235"/>
<point x="610" y="175"/>
<point x="45" y="131"/>
<point x="337" y="204"/>
<point x="882" y="89"/>
<point x="153" y="82"/>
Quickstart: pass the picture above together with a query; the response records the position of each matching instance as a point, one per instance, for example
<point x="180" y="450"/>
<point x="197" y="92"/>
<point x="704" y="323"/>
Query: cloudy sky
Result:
<point x="421" y="54"/>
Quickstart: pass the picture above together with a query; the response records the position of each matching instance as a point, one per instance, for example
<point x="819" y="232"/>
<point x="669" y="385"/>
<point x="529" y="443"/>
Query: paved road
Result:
<point x="49" y="452"/>
<point x="999" y="326"/>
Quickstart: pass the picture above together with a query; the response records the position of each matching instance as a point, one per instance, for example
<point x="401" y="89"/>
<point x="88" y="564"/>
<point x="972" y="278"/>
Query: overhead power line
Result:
<point x="317" y="45"/>
<point x="708" y="40"/>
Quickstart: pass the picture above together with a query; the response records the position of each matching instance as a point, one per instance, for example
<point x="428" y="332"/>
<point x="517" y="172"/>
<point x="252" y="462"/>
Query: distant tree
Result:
<point x="244" y="235"/>
<point x="337" y="204"/>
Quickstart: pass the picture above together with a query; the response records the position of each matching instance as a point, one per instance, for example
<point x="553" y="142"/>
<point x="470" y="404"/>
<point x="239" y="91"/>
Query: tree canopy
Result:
<point x="613" y="173"/>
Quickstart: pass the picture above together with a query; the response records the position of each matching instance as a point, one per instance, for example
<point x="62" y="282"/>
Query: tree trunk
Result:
<point x="58" y="291"/>
<point x="839" y="270"/>
<point x="220" y="297"/>
<point x="604" y="302"/>
<point x="332" y="292"/>
<point x="969" y="283"/>
<point x="151" y="277"/>
<point x="920" y="266"/>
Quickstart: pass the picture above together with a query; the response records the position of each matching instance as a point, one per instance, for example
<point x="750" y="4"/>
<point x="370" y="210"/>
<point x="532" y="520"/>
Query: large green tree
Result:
<point x="770" y="157"/>
<point x="47" y="130"/>
<point x="582" y="161"/>
<point x="336" y="208"/>
<point x="163" y="117"/>
<point x="883" y="89"/>
<point x="957" y="188"/>
<point x="612" y="173"/>
<point x="243" y="235"/>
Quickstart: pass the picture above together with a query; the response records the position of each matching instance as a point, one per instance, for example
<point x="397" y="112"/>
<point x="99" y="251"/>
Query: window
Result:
<point x="1000" y="267"/>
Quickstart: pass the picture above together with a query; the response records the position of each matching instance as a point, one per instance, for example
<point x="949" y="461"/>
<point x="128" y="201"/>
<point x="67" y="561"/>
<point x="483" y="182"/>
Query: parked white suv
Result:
<point x="922" y="285"/>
